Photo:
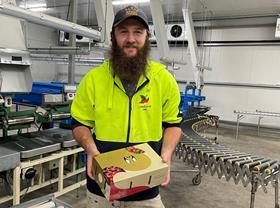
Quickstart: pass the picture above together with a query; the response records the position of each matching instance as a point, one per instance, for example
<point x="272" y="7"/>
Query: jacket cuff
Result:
<point x="168" y="125"/>
<point x="75" y="123"/>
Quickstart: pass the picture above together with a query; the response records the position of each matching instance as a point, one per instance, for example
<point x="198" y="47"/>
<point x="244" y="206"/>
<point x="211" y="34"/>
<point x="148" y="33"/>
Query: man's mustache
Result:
<point x="130" y="45"/>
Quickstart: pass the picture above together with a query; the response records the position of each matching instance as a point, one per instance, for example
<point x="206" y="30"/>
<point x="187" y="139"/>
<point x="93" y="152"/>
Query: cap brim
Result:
<point x="134" y="17"/>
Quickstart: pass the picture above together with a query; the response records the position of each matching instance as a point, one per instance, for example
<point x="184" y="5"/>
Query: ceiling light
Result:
<point x="38" y="9"/>
<point x="29" y="6"/>
<point x="129" y="2"/>
<point x="41" y="7"/>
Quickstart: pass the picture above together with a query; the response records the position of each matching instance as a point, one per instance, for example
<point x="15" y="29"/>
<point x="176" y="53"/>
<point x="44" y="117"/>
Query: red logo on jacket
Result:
<point x="144" y="99"/>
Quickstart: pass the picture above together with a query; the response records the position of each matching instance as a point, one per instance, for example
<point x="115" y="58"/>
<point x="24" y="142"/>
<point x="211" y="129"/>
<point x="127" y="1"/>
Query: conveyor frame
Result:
<point x="231" y="164"/>
<point x="60" y="155"/>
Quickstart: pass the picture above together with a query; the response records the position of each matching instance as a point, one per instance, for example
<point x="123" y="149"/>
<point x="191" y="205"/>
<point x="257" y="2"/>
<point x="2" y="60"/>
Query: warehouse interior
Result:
<point x="224" y="56"/>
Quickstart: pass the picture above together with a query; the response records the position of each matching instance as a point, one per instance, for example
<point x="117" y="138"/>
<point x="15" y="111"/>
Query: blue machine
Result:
<point x="190" y="100"/>
<point x="39" y="90"/>
<point x="48" y="94"/>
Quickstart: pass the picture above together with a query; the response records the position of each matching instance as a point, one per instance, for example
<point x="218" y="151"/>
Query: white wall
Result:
<point x="238" y="64"/>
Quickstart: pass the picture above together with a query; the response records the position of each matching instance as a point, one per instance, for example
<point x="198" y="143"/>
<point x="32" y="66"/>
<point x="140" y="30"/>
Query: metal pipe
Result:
<point x="232" y="84"/>
<point x="58" y="116"/>
<point x="72" y="41"/>
<point x="50" y="21"/>
<point x="64" y="60"/>
<point x="14" y="121"/>
<point x="226" y="43"/>
<point x="171" y="61"/>
<point x="59" y="50"/>
<point x="237" y="17"/>
<point x="240" y="43"/>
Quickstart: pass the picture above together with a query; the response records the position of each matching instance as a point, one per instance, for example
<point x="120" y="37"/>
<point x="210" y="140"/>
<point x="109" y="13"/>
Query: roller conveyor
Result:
<point x="14" y="148"/>
<point x="29" y="145"/>
<point x="231" y="164"/>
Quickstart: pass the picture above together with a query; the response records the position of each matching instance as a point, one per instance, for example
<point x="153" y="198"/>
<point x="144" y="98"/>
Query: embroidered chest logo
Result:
<point x="144" y="99"/>
<point x="144" y="102"/>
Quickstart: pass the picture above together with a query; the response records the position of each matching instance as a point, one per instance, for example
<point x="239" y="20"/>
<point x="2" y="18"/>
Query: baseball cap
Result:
<point x="130" y="12"/>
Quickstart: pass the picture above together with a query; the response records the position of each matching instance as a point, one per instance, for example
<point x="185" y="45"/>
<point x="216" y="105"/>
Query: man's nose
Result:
<point x="130" y="38"/>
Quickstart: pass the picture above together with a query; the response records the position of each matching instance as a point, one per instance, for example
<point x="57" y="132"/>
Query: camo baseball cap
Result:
<point x="130" y="12"/>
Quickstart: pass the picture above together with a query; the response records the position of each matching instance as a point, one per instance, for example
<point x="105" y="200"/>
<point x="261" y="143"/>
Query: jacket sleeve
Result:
<point x="83" y="106"/>
<point x="170" y="108"/>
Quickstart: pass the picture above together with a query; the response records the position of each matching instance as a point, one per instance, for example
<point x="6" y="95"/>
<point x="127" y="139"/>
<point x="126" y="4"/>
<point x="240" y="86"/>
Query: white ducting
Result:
<point x="46" y="20"/>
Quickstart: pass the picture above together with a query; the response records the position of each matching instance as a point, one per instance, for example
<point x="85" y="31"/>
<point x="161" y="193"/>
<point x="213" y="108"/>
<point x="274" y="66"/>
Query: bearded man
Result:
<point x="127" y="100"/>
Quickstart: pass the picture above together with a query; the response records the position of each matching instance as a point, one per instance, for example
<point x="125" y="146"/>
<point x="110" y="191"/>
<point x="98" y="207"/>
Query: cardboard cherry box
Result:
<point x="127" y="171"/>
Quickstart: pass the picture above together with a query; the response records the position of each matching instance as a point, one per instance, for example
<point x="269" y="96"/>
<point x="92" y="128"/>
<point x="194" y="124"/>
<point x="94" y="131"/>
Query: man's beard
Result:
<point x="129" y="68"/>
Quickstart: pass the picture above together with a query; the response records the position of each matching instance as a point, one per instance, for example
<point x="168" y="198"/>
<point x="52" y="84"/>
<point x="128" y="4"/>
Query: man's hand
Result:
<point x="171" y="137"/>
<point x="166" y="159"/>
<point x="90" y="157"/>
<point x="83" y="136"/>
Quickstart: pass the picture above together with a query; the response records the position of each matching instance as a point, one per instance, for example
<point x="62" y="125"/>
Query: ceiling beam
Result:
<point x="105" y="16"/>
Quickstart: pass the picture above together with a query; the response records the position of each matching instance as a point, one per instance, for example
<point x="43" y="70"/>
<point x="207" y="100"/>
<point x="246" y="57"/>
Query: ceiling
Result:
<point x="172" y="9"/>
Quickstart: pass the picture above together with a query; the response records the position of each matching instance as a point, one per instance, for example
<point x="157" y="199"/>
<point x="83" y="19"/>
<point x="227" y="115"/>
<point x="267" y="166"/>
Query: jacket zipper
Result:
<point x="129" y="117"/>
<point x="129" y="108"/>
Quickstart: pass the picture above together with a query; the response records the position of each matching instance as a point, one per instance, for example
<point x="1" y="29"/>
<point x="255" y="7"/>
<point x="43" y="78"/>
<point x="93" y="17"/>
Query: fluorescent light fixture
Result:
<point x="129" y="2"/>
<point x="42" y="7"/>
<point x="31" y="6"/>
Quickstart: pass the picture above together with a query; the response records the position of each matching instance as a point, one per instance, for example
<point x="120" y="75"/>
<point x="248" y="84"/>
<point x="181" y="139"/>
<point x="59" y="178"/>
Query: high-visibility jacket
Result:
<point x="102" y="103"/>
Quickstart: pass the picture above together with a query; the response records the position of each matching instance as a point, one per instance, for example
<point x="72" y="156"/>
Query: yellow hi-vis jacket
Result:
<point x="101" y="102"/>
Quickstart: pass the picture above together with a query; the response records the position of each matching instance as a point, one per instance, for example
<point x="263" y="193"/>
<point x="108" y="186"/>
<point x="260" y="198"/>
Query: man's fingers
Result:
<point x="89" y="167"/>
<point x="166" y="179"/>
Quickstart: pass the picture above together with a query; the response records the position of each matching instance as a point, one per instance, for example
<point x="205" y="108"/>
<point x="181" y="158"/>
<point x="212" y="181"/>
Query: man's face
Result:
<point x="130" y="36"/>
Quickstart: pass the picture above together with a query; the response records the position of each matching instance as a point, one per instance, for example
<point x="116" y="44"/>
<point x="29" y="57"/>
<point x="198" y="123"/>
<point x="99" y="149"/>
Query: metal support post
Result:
<point x="254" y="183"/>
<point x="217" y="130"/>
<point x="259" y="123"/>
<point x="60" y="173"/>
<point x="72" y="41"/>
<point x="192" y="44"/>
<point x="239" y="117"/>
<point x="105" y="16"/>
<point x="276" y="194"/>
<point x="158" y="19"/>
<point x="16" y="185"/>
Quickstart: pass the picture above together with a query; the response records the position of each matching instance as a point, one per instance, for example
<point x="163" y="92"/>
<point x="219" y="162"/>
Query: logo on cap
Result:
<point x="131" y="11"/>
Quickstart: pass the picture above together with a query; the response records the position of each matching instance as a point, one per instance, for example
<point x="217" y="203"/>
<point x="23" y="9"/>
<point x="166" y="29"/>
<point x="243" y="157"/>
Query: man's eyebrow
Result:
<point x="136" y="27"/>
<point x="122" y="27"/>
<point x="140" y="28"/>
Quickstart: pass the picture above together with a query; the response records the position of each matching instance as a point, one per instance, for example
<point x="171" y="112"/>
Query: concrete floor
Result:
<point x="212" y="192"/>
